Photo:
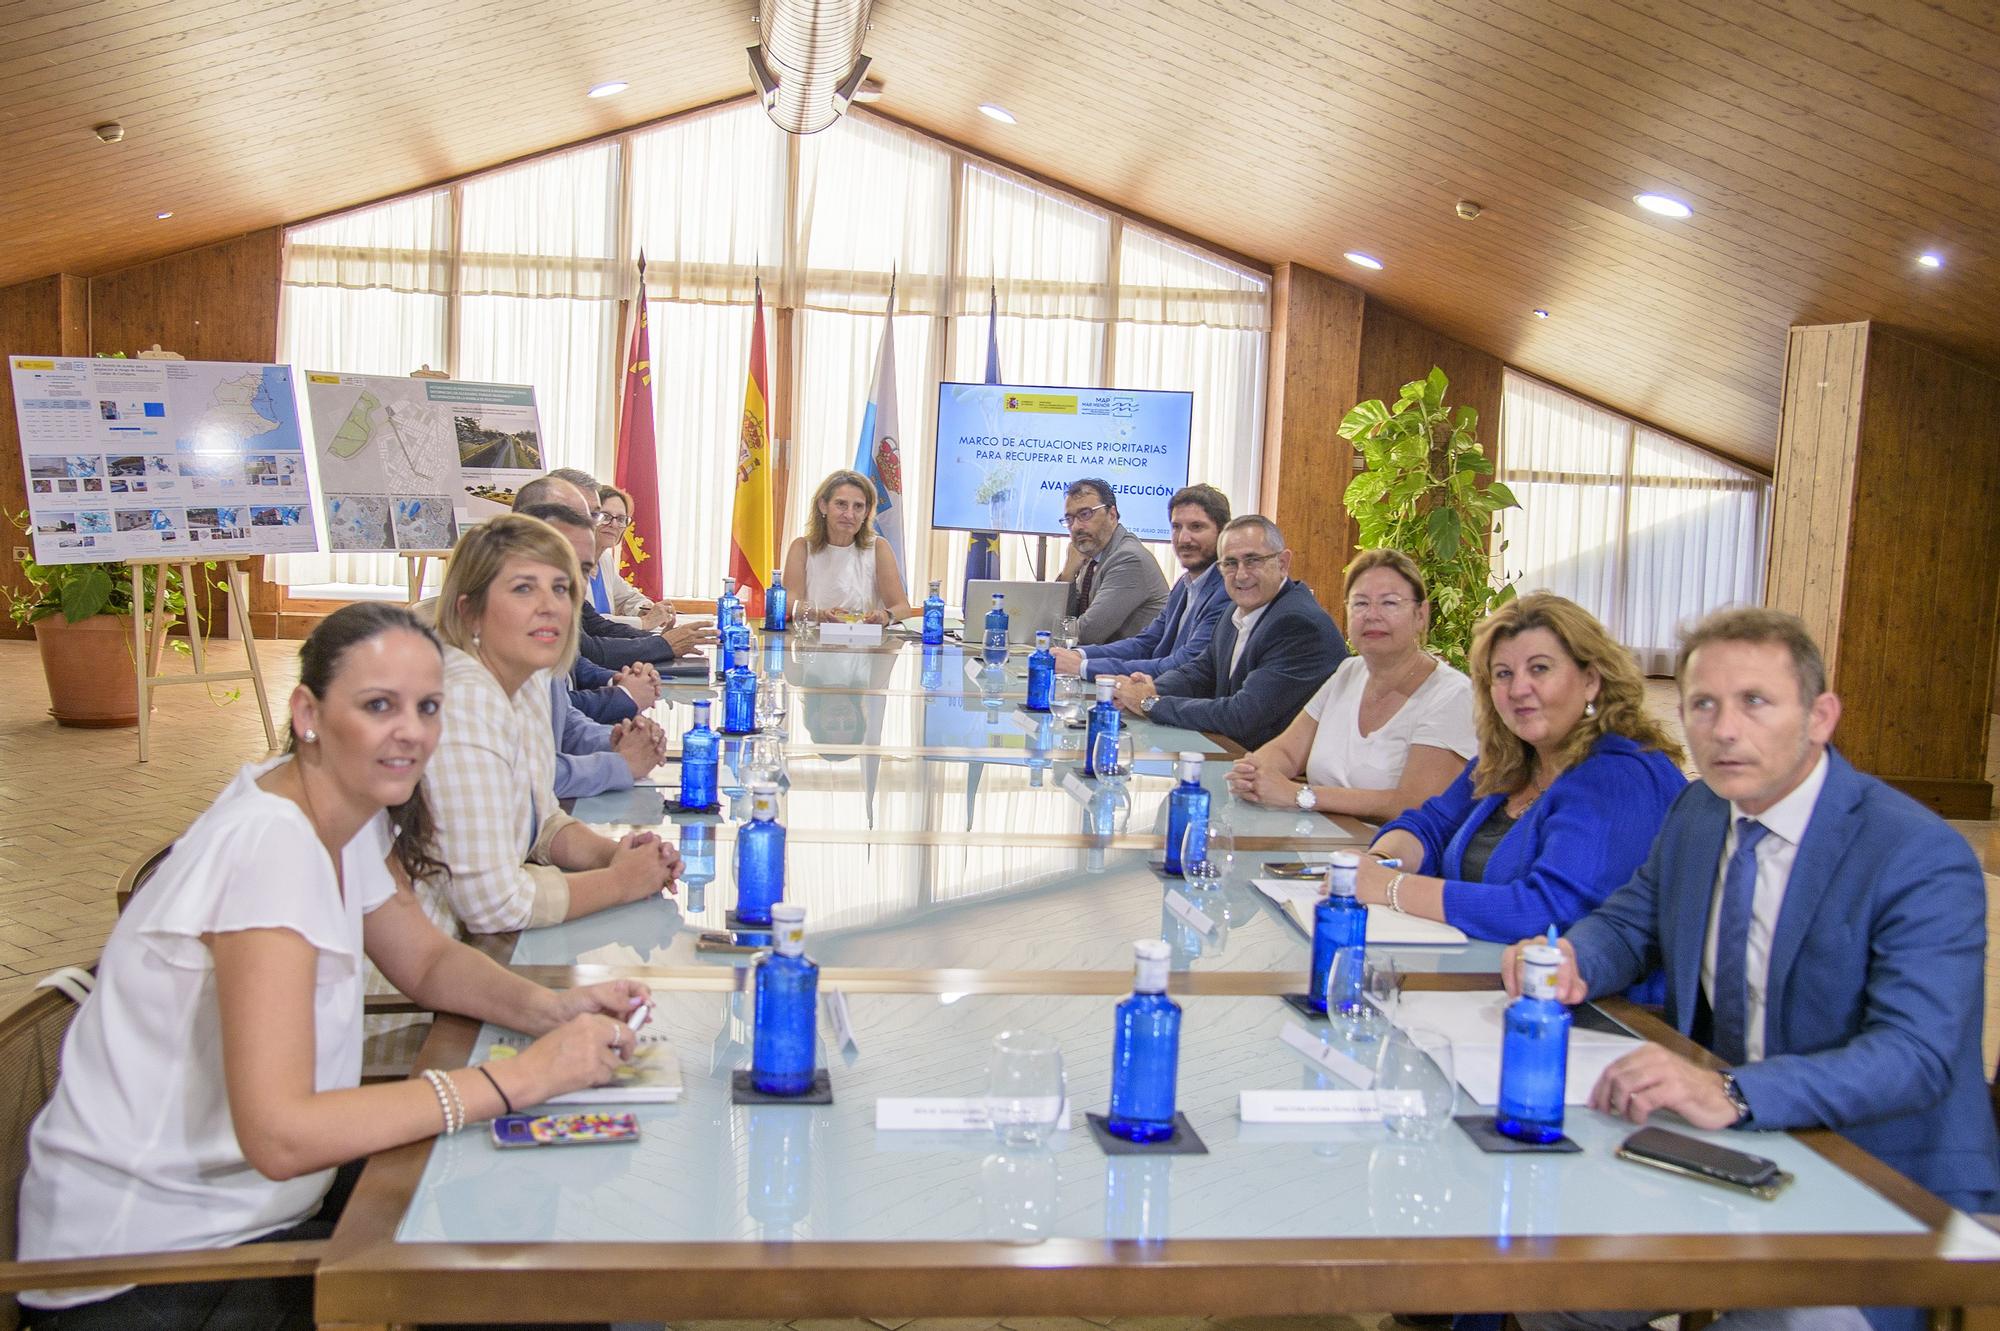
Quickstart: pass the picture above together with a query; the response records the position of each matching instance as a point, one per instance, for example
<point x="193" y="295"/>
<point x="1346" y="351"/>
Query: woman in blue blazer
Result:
<point x="1570" y="787"/>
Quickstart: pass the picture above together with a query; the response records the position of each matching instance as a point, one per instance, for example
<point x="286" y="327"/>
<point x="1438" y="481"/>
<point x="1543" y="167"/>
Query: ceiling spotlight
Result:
<point x="1541" y="314"/>
<point x="1930" y="260"/>
<point x="1662" y="204"/>
<point x="1467" y="209"/>
<point x="1360" y="260"/>
<point x="165" y="215"/>
<point x="999" y="113"/>
<point x="611" y="89"/>
<point x="108" y="132"/>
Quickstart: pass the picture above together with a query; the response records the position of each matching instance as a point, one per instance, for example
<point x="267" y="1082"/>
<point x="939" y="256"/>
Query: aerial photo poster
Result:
<point x="150" y="459"/>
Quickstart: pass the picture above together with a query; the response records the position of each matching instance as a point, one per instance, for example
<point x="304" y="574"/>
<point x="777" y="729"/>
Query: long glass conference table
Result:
<point x="961" y="878"/>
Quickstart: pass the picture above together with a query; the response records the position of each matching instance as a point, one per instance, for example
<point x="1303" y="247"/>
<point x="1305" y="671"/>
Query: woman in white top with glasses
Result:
<point x="838" y="570"/>
<point x="1392" y="726"/>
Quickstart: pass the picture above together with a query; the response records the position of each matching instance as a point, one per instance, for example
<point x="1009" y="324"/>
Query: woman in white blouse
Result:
<point x="508" y="617"/>
<point x="1390" y="728"/>
<point x="838" y="569"/>
<point x="211" y="1082"/>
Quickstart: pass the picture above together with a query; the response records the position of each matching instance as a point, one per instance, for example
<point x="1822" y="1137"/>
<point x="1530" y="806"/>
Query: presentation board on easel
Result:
<point x="161" y="459"/>
<point x="404" y="462"/>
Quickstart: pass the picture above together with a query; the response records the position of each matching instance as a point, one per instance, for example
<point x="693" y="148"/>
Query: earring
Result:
<point x="1590" y="708"/>
<point x="311" y="736"/>
<point x="475" y="644"/>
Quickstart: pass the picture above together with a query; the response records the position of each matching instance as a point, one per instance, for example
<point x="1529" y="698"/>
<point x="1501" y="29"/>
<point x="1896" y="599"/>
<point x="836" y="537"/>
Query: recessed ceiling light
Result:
<point x="1360" y="260"/>
<point x="611" y="89"/>
<point x="1664" y="205"/>
<point x="999" y="113"/>
<point x="165" y="215"/>
<point x="1931" y="260"/>
<point x="1541" y="314"/>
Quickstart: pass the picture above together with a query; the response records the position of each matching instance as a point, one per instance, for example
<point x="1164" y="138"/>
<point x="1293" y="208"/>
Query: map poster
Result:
<point x="145" y="459"/>
<point x="404" y="462"/>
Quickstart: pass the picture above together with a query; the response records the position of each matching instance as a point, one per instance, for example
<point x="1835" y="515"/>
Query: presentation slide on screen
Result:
<point x="1006" y="453"/>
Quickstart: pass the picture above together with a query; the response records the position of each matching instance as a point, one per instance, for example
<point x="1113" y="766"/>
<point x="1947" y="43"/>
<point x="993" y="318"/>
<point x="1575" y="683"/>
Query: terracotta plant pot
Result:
<point x="89" y="669"/>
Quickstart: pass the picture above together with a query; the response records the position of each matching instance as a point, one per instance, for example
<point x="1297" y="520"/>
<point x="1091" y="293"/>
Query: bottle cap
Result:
<point x="1150" y="957"/>
<point x="788" y="927"/>
<point x="1041" y="639"/>
<point x="1340" y="870"/>
<point x="1105" y="689"/>
<point x="1189" y="756"/>
<point x="764" y="801"/>
<point x="1190" y="767"/>
<point x="1541" y="954"/>
<point x="701" y="706"/>
<point x="997" y="599"/>
<point x="1345" y="859"/>
<point x="728" y="584"/>
<point x="935" y="584"/>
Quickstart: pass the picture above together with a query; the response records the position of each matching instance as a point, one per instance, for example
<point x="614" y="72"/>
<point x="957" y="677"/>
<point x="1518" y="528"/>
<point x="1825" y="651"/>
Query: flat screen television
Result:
<point x="1007" y="452"/>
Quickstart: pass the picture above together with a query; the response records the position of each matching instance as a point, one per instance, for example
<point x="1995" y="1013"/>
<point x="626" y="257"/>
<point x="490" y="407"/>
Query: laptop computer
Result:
<point x="1029" y="606"/>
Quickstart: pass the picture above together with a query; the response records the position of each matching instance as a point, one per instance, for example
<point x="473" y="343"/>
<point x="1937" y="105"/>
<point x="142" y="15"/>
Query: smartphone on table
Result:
<point x="518" y="1130"/>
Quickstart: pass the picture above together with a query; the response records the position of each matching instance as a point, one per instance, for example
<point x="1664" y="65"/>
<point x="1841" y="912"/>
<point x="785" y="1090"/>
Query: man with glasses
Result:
<point x="1115" y="586"/>
<point x="1267" y="658"/>
<point x="1182" y="630"/>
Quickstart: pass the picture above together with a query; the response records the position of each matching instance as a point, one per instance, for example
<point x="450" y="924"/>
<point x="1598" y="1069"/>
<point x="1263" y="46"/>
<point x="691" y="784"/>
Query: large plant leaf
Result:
<point x="1364" y="418"/>
<point x="1444" y="532"/>
<point x="1434" y="385"/>
<point x="1502" y="496"/>
<point x="85" y="592"/>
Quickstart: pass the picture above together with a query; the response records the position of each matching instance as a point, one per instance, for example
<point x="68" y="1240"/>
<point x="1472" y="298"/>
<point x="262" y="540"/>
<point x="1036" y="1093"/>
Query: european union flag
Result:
<point x="982" y="548"/>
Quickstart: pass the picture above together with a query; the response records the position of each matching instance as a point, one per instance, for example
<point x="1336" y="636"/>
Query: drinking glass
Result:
<point x="1222" y="849"/>
<point x="1066" y="699"/>
<point x="1382" y="985"/>
<point x="773" y="706"/>
<point x="1017" y="1196"/>
<point x="1112" y="758"/>
<point x="1415" y="1080"/>
<point x="763" y="759"/>
<point x="1070" y="628"/>
<point x="1363" y="989"/>
<point x="1025" y="1087"/>
<point x="1198" y="867"/>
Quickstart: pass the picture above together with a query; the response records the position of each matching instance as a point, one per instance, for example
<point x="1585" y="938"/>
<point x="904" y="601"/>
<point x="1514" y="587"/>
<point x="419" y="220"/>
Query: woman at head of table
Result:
<point x="608" y="590"/>
<point x="1570" y="787"/>
<point x="838" y="569"/>
<point x="211" y="1082"/>
<point x="508" y="617"/>
<point x="1389" y="729"/>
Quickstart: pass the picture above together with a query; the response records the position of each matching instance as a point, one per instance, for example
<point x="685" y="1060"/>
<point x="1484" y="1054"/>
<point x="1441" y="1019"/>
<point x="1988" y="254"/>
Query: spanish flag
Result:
<point x="750" y="532"/>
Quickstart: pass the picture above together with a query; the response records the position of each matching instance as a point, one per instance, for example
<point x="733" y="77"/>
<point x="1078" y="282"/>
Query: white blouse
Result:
<point x="842" y="577"/>
<point x="136" y="1150"/>
<point x="1438" y="714"/>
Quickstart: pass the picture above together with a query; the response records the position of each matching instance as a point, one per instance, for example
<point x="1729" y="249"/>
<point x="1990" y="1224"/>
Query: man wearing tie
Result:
<point x="1823" y="934"/>
<point x="1197" y="515"/>
<point x="1115" y="585"/>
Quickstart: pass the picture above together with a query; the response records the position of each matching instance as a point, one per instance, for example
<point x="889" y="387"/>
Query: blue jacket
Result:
<point x="611" y="644"/>
<point x="1148" y="651"/>
<point x="592" y="693"/>
<point x="1293" y="647"/>
<point x="1873" y="1005"/>
<point x="1569" y="851"/>
<point x="585" y="764"/>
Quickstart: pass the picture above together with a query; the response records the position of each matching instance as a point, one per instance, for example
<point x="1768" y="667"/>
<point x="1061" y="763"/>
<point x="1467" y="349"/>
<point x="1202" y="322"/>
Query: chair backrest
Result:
<point x="1991" y="1016"/>
<point x="31" y="1036"/>
<point x="139" y="871"/>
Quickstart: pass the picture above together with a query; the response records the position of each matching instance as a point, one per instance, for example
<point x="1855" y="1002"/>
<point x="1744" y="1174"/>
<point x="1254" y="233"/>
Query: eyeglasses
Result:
<point x="1388" y="605"/>
<point x="1248" y="563"/>
<point x="613" y="520"/>
<point x="1083" y="514"/>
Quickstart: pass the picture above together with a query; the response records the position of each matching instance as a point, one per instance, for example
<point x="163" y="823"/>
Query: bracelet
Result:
<point x="442" y="1088"/>
<point x="491" y="1081"/>
<point x="457" y="1101"/>
<point x="1395" y="891"/>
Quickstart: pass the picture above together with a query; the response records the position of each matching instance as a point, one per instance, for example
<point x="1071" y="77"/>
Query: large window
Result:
<point x="1642" y="529"/>
<point x="526" y="275"/>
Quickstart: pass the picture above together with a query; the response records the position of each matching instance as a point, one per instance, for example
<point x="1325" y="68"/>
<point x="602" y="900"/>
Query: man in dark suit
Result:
<point x="1115" y="585"/>
<point x="1823" y="934"/>
<point x="1197" y="515"/>
<point x="1267" y="658"/>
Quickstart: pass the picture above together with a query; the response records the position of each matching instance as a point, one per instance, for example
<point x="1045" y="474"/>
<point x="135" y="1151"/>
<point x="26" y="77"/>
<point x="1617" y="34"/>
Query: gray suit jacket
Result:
<point x="1128" y="592"/>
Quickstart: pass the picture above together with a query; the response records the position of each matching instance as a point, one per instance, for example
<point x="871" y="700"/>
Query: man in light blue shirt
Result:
<point x="1182" y="630"/>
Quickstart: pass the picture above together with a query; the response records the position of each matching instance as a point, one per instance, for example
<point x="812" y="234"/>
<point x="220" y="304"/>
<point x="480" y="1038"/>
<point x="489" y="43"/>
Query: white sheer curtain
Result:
<point x="1642" y="529"/>
<point x="526" y="275"/>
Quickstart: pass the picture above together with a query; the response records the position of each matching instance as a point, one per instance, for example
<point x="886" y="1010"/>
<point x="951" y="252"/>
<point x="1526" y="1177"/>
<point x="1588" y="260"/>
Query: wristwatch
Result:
<point x="1146" y="705"/>
<point x="1306" y="799"/>
<point x="1736" y="1097"/>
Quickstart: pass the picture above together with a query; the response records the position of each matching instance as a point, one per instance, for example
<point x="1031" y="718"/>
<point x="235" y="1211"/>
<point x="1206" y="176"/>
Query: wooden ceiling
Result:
<point x="1822" y="145"/>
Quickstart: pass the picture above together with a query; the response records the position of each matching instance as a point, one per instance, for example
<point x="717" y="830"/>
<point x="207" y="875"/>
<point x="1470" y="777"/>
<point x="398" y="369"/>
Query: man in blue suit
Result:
<point x="1269" y="655"/>
<point x="1821" y="933"/>
<point x="1182" y="631"/>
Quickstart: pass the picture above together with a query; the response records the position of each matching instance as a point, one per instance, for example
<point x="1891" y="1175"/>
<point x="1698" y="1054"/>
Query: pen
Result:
<point x="641" y="1011"/>
<point x="1391" y="863"/>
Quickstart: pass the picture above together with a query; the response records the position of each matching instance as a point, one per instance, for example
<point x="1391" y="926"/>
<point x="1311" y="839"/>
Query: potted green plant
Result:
<point x="1421" y="493"/>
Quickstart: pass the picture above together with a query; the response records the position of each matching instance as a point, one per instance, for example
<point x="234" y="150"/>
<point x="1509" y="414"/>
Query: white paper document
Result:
<point x="1304" y="1106"/>
<point x="1472" y="1022"/>
<point x="1385" y="927"/>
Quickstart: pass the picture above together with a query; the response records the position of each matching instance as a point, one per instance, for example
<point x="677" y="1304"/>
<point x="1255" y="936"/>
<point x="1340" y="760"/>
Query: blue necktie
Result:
<point x="1731" y="999"/>
<point x="599" y="597"/>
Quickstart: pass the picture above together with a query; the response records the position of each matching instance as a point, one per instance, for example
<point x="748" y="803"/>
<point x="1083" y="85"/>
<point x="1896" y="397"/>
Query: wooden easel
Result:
<point x="415" y="562"/>
<point x="149" y="636"/>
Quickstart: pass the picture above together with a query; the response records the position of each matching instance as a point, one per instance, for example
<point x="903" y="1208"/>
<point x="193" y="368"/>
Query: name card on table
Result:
<point x="1189" y="913"/>
<point x="941" y="1113"/>
<point x="1319" y="1106"/>
<point x="1073" y="786"/>
<point x="1326" y="1056"/>
<point x="833" y="633"/>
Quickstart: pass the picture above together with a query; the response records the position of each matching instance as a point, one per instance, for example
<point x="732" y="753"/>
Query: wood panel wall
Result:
<point x="1316" y="325"/>
<point x="46" y="317"/>
<point x="1884" y="540"/>
<point x="1396" y="349"/>
<point x="216" y="303"/>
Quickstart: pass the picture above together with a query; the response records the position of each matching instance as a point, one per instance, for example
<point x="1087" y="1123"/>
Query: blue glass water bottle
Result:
<point x="699" y="753"/>
<point x="1340" y="921"/>
<point x="736" y="640"/>
<point x="933" y="669"/>
<point x="996" y="632"/>
<point x="774" y="606"/>
<point x="1103" y="721"/>
<point x="723" y="602"/>
<point x="1188" y="804"/>
<point x="781" y="1049"/>
<point x="1534" y="1051"/>
<point x="739" y="700"/>
<point x="1145" y="1051"/>
<point x="1041" y="673"/>
<point x="697" y="864"/>
<point x="760" y="858"/>
<point x="934" y="616"/>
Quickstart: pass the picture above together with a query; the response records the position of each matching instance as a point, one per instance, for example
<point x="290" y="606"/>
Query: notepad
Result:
<point x="653" y="1077"/>
<point x="1472" y="1022"/>
<point x="1386" y="927"/>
